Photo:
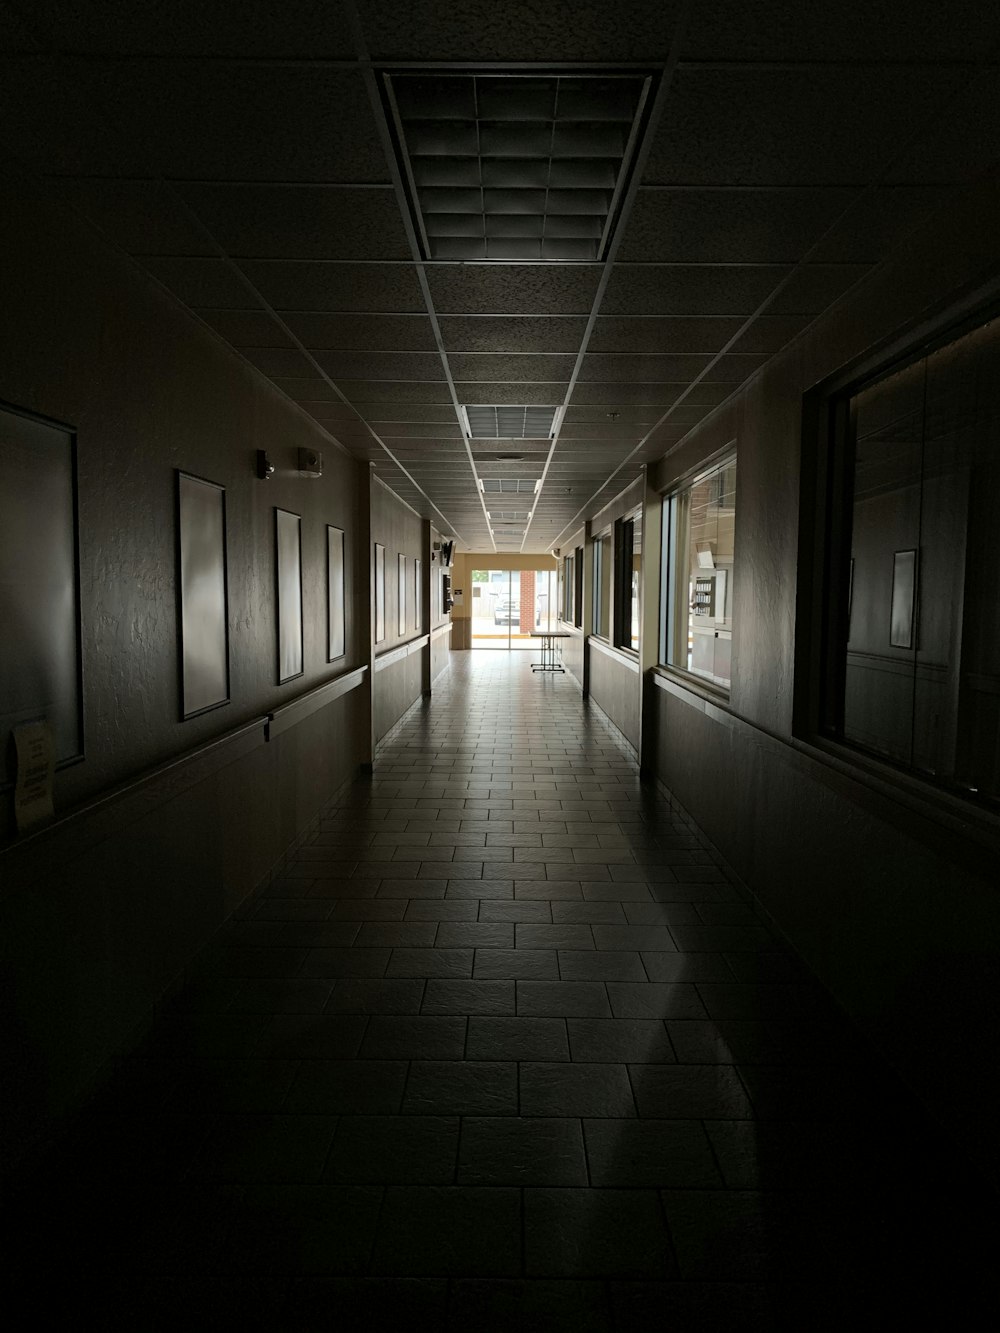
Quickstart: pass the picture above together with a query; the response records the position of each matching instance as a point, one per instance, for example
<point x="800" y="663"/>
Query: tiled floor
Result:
<point x="503" y="1049"/>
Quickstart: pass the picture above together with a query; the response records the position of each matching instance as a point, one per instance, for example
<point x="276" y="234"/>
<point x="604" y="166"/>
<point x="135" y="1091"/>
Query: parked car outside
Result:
<point x="507" y="611"/>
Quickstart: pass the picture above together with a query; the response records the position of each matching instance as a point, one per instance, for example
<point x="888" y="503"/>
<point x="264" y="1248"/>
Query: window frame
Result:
<point x="621" y="587"/>
<point x="824" y="575"/>
<point x="601" y="576"/>
<point x="669" y="588"/>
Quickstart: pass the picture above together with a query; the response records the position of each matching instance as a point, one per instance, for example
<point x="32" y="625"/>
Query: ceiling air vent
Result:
<point x="510" y="423"/>
<point x="516" y="166"/>
<point x="507" y="486"/>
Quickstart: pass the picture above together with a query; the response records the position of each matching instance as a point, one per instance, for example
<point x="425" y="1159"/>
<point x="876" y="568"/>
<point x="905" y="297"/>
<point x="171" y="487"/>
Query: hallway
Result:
<point x="502" y="1048"/>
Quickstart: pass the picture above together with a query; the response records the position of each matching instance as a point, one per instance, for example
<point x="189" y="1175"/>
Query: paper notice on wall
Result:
<point x="36" y="762"/>
<point x="456" y="597"/>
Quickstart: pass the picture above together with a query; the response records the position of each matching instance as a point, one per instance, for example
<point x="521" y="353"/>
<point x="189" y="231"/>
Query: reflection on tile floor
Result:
<point x="502" y="1048"/>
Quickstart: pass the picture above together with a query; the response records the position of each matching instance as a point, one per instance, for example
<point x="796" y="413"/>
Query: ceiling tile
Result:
<point x="512" y="334"/>
<point x="312" y="28"/>
<point x="812" y="126"/>
<point x="18" y="39"/>
<point x="964" y="143"/>
<point x="246" y="328"/>
<point x="693" y="335"/>
<point x="366" y="393"/>
<point x="841" y="30"/>
<point x="816" y="286"/>
<point x="336" y="287"/>
<point x="281" y="361"/>
<point x="879" y="222"/>
<point x="519" y="30"/>
<point x="516" y="289"/>
<point x="485" y="367"/>
<point x="578" y="413"/>
<point x="148" y="118"/>
<point x="143" y="217"/>
<point x="613" y="369"/>
<point x="473" y="391"/>
<point x="417" y="430"/>
<point x="684" y="289"/>
<point x="363" y="333"/>
<point x="730" y="226"/>
<point x="635" y="394"/>
<point x="381" y="365"/>
<point x="201" y="282"/>
<point x="300" y="222"/>
<point x="307" y="390"/>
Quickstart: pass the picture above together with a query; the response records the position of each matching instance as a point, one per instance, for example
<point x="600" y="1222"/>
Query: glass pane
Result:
<point x="635" y="576"/>
<point x="883" y="634"/>
<point x="922" y="678"/>
<point x="603" y="617"/>
<point x="710" y="530"/>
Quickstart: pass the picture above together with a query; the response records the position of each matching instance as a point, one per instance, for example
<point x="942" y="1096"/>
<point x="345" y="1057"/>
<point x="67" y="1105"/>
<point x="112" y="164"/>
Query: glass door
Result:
<point x="509" y="605"/>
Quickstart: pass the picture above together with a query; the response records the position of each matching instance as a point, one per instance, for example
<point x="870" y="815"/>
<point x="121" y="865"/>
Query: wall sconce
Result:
<point x="264" y="466"/>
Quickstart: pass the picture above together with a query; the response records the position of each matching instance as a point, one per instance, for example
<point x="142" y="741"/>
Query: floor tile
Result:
<point x="600" y="965"/>
<point x="376" y="995"/>
<point x="392" y="1149"/>
<point x="685" y="1092"/>
<point x="449" y="1231"/>
<point x="619" y="1041"/>
<point x="611" y="1233"/>
<point x="512" y="1151"/>
<point x="451" y="1087"/>
<point x="469" y="997"/>
<point x="517" y="964"/>
<point x="557" y="999"/>
<point x="640" y="1153"/>
<point x="517" y="1039"/>
<point x="415" y="1037"/>
<point x="576" y="1090"/>
<point x="502" y="1047"/>
<point x="430" y="963"/>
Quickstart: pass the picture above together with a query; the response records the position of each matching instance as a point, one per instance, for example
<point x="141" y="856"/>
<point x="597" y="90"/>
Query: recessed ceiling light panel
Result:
<point x="512" y="166"/>
<point x="510" y="423"/>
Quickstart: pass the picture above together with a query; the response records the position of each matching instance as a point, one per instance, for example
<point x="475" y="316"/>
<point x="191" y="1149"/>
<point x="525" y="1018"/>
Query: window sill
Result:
<point x="624" y="656"/>
<point x="714" y="694"/>
<point x="917" y="795"/>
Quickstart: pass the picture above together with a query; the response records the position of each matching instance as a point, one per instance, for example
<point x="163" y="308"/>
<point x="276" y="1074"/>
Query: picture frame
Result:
<point x="418" y="600"/>
<point x="288" y="588"/>
<point x="41" y="665"/>
<point x="379" y="592"/>
<point x="202" y="595"/>
<point x="902" y="612"/>
<point x="336" y="639"/>
<point x="401" y="594"/>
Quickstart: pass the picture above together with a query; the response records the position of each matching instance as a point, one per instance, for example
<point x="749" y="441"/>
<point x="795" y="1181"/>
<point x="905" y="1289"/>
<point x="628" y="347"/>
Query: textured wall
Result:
<point x="395" y="687"/>
<point x="99" y="913"/>
<point x="891" y="908"/>
<point x="89" y="341"/>
<point x="615" y="688"/>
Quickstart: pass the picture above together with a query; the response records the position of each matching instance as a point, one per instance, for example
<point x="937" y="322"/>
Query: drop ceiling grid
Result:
<point x="714" y="232"/>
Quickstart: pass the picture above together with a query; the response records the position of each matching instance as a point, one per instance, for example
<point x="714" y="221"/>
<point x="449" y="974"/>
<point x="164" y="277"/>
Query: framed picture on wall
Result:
<point x="336" y="632"/>
<point x="902" y="613"/>
<point x="401" y="594"/>
<point x="40" y="659"/>
<point x="418" y="600"/>
<point x="288" y="565"/>
<point x="379" y="593"/>
<point x="203" y="594"/>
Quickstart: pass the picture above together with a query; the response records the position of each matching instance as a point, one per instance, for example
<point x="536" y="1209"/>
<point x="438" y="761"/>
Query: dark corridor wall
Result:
<point x="99" y="913"/>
